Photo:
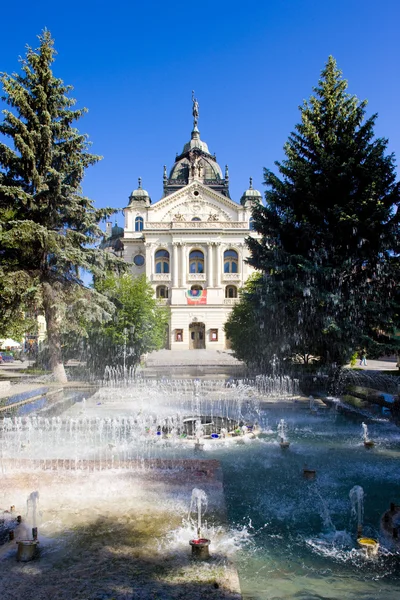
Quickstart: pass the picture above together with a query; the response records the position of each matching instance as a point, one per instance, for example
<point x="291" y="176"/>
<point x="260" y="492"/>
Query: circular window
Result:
<point x="196" y="193"/>
<point x="138" y="260"/>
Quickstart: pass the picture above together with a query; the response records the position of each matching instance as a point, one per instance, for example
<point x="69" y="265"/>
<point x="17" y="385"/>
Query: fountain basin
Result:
<point x="27" y="550"/>
<point x="369" y="444"/>
<point x="370" y="545"/>
<point x="200" y="548"/>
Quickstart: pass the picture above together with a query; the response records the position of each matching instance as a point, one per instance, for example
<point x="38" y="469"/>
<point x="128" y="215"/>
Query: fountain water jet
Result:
<point x="27" y="549"/>
<point x="367" y="442"/>
<point x="198" y="506"/>
<point x="282" y="427"/>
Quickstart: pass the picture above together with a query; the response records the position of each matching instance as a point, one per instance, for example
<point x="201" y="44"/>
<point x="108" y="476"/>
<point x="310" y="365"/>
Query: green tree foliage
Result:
<point x="138" y="324"/>
<point x="329" y="232"/>
<point x="244" y="329"/>
<point x="48" y="228"/>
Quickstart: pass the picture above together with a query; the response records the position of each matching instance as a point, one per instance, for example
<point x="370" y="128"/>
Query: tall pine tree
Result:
<point x="48" y="228"/>
<point x="330" y="231"/>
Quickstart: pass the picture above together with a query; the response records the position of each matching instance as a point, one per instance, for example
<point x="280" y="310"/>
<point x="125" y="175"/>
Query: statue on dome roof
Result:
<point x="195" y="109"/>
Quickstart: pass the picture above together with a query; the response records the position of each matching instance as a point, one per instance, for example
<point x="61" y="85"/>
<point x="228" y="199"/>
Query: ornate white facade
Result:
<point x="191" y="245"/>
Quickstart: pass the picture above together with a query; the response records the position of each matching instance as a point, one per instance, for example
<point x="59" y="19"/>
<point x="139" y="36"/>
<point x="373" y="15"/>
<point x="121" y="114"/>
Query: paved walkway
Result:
<point x="177" y="358"/>
<point x="383" y="364"/>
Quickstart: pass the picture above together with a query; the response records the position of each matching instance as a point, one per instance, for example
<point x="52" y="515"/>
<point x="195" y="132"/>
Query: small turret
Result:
<point x="250" y="196"/>
<point x="139" y="195"/>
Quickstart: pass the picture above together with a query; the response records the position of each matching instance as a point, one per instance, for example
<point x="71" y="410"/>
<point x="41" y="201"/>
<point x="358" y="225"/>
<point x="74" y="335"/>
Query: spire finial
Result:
<point x="140" y="183"/>
<point x="195" y="111"/>
<point x="226" y="172"/>
<point x="251" y="183"/>
<point x="165" y="171"/>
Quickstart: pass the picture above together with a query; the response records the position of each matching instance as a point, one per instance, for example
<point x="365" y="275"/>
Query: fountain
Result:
<point x="367" y="442"/>
<point x="309" y="473"/>
<point x="199" y="433"/>
<point x="28" y="548"/>
<point x="356" y="496"/>
<point x="312" y="405"/>
<point x="116" y="472"/>
<point x="198" y="506"/>
<point x="282" y="426"/>
<point x="369" y="545"/>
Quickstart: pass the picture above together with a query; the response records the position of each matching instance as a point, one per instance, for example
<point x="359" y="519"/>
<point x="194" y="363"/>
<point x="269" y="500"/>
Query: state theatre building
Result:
<point x="190" y="244"/>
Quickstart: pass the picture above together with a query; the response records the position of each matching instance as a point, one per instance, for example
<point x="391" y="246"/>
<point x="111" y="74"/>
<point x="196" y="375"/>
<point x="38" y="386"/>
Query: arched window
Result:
<point x="196" y="219"/>
<point x="231" y="291"/>
<point x="230" y="261"/>
<point x="196" y="288"/>
<point x="162" y="261"/>
<point x="162" y="291"/>
<point x="139" y="224"/>
<point x="251" y="224"/>
<point x="196" y="262"/>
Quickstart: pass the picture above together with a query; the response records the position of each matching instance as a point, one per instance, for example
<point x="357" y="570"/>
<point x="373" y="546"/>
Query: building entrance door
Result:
<point x="197" y="338"/>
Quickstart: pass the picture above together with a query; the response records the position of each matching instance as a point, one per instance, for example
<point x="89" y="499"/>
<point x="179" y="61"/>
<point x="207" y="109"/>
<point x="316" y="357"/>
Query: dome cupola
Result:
<point x="139" y="195"/>
<point x="113" y="239"/>
<point x="195" y="163"/>
<point x="251" y="196"/>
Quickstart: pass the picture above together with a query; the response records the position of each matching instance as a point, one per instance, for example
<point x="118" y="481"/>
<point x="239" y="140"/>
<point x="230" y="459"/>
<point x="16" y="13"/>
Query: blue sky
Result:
<point x="251" y="64"/>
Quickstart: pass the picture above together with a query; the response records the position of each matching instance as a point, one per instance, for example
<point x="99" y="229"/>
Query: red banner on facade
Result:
<point x="196" y="296"/>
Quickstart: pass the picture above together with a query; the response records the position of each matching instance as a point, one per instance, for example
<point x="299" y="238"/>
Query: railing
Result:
<point x="231" y="301"/>
<point x="196" y="276"/>
<point x="163" y="301"/>
<point x="231" y="276"/>
<point x="161" y="277"/>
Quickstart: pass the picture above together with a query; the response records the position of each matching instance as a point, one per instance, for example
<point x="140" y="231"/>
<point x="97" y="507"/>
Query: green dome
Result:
<point x="139" y="194"/>
<point x="113" y="242"/>
<point x="251" y="195"/>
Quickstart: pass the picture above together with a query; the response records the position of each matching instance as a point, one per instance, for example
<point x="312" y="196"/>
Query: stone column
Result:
<point x="149" y="261"/>
<point x="241" y="263"/>
<point x="175" y="265"/>
<point x="183" y="265"/>
<point x="218" y="248"/>
<point x="210" y="259"/>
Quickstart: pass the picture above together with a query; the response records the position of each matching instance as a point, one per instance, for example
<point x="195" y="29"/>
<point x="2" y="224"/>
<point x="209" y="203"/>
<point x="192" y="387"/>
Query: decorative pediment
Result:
<point x="200" y="210"/>
<point x="195" y="201"/>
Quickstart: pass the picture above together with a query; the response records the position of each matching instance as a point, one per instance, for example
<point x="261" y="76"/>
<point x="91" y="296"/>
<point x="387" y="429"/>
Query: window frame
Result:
<point x="161" y="262"/>
<point x="231" y="261"/>
<point x="213" y="335"/>
<point x="139" y="223"/>
<point x="196" y="263"/>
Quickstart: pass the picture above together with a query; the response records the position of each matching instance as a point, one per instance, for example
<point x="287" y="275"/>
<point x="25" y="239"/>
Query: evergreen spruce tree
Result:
<point x="330" y="232"/>
<point x="48" y="228"/>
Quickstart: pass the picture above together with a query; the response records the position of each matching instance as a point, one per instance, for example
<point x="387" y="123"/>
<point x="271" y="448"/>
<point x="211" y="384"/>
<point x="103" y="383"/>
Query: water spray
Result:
<point x="367" y="442"/>
<point x="283" y="442"/>
<point x="198" y="506"/>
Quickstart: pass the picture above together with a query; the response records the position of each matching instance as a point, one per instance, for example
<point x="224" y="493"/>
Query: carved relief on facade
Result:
<point x="178" y="217"/>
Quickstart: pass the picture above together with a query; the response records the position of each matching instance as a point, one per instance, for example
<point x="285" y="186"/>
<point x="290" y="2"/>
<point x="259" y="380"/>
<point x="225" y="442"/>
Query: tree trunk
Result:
<point x="53" y="333"/>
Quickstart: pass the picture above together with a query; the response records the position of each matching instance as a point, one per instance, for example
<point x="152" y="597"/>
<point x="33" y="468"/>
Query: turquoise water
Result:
<point x="303" y="533"/>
